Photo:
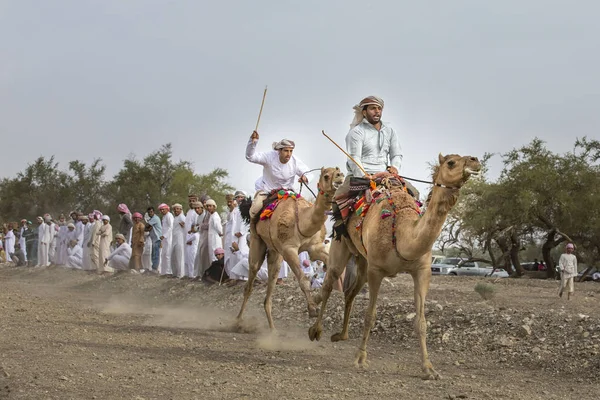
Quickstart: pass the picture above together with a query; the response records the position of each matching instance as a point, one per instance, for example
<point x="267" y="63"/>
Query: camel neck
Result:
<point x="412" y="245"/>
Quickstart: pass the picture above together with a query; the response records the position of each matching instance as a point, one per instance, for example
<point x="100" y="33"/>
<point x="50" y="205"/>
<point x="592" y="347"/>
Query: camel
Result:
<point x="385" y="250"/>
<point x="295" y="226"/>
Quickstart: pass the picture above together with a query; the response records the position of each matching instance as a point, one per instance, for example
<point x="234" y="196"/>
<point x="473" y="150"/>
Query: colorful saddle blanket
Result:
<point x="273" y="200"/>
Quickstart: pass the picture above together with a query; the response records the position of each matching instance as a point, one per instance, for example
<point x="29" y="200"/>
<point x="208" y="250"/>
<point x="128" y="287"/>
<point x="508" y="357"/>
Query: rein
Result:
<point x="428" y="182"/>
<point x="304" y="184"/>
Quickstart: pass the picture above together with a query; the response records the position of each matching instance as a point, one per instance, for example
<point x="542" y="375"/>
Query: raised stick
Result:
<point x="261" y="108"/>
<point x="347" y="155"/>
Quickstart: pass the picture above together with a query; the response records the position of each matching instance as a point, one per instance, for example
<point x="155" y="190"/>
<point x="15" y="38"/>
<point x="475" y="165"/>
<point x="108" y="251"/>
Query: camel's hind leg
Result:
<point x="258" y="249"/>
<point x="338" y="258"/>
<point x="375" y="276"/>
<point x="421" y="280"/>
<point x="274" y="261"/>
<point x="290" y="255"/>
<point x="361" y="278"/>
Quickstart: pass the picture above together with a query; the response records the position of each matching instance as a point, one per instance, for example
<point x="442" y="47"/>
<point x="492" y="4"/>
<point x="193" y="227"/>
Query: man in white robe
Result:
<point x="166" y="240"/>
<point x="22" y="239"/>
<point x="280" y="168"/>
<point x="74" y="255"/>
<point x="9" y="242"/>
<point x="43" y="243"/>
<point x="210" y="237"/>
<point x="53" y="230"/>
<point x="178" y="246"/>
<point x="228" y="237"/>
<point x="87" y="235"/>
<point x="94" y="242"/>
<point x="62" y="242"/>
<point x="119" y="258"/>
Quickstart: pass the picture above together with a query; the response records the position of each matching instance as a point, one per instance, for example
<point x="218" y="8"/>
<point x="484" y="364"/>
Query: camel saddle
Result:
<point x="356" y="195"/>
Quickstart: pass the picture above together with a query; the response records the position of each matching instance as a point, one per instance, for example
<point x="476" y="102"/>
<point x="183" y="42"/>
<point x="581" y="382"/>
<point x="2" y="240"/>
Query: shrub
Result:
<point x="485" y="290"/>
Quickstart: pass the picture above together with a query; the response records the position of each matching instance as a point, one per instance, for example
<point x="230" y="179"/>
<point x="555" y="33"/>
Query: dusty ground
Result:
<point x="69" y="335"/>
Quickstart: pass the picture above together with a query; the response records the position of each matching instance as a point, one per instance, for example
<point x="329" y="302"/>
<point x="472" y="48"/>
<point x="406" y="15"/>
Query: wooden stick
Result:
<point x="261" y="108"/>
<point x="222" y="273"/>
<point x="347" y="155"/>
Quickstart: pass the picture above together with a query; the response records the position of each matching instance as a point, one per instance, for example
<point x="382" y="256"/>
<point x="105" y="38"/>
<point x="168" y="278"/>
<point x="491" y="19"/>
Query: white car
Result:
<point x="444" y="265"/>
<point x="476" y="269"/>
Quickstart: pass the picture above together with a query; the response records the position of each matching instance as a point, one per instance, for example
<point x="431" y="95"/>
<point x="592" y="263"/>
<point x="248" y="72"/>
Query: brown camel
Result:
<point x="295" y="226"/>
<point x="384" y="251"/>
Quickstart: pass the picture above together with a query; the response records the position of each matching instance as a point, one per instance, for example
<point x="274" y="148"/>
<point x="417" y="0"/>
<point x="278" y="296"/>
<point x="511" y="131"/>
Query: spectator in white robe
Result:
<point x="119" y="258"/>
<point x="147" y="253"/>
<point x="166" y="240"/>
<point x="319" y="278"/>
<point x="190" y="222"/>
<point x="280" y="168"/>
<point x="71" y="233"/>
<point x="78" y="227"/>
<point x="307" y="269"/>
<point x="228" y="237"/>
<point x="62" y="242"/>
<point x="74" y="255"/>
<point x="9" y="242"/>
<point x="87" y="234"/>
<point x="240" y="271"/>
<point x="210" y="236"/>
<point x="567" y="266"/>
<point x="22" y="238"/>
<point x="94" y="242"/>
<point x="192" y="240"/>
<point x="53" y="230"/>
<point x="178" y="246"/>
<point x="106" y="237"/>
<point x="43" y="243"/>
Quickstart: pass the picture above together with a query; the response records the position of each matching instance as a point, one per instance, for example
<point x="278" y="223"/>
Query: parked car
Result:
<point x="593" y="273"/>
<point x="476" y="269"/>
<point x="444" y="265"/>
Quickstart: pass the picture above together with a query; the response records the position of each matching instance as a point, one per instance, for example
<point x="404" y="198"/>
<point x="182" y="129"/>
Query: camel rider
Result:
<point x="370" y="142"/>
<point x="280" y="169"/>
<point x="373" y="143"/>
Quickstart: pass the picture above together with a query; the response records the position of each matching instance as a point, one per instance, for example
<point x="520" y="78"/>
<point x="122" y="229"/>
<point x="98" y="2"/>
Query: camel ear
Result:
<point x="441" y="158"/>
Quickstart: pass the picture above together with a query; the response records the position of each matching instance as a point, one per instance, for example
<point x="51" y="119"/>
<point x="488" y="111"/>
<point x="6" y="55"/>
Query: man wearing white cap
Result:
<point x="43" y="243"/>
<point x="567" y="265"/>
<point x="166" y="240"/>
<point x="119" y="258"/>
<point x="178" y="245"/>
<point x="74" y="254"/>
<point x="211" y="232"/>
<point x="106" y="236"/>
<point x="280" y="168"/>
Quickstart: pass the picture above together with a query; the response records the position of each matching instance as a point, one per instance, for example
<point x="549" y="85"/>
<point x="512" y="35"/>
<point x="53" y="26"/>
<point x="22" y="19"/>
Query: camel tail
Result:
<point x="245" y="209"/>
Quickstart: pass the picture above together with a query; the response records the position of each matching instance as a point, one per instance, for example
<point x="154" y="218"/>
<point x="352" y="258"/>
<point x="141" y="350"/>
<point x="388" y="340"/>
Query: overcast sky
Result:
<point x="83" y="79"/>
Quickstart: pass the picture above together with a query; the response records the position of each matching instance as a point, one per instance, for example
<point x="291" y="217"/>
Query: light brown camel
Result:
<point x="295" y="226"/>
<point x="377" y="257"/>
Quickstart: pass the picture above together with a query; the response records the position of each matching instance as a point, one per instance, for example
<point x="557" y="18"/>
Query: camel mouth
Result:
<point x="473" y="172"/>
<point x="336" y="185"/>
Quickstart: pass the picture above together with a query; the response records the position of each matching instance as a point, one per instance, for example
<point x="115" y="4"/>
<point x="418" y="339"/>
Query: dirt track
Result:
<point x="69" y="335"/>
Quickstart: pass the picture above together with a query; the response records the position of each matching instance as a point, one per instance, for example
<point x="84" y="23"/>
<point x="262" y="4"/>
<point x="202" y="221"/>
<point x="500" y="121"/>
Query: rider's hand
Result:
<point x="303" y="179"/>
<point x="392" y="170"/>
<point x="254" y="137"/>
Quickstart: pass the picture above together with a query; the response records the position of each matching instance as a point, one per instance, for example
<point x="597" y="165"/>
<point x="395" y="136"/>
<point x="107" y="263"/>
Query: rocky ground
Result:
<point x="71" y="335"/>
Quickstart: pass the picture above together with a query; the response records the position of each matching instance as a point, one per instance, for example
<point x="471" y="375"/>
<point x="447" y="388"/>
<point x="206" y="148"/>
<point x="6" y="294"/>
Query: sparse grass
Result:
<point x="487" y="291"/>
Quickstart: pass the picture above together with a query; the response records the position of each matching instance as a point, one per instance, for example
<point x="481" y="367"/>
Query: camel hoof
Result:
<point x="431" y="375"/>
<point x="313" y="312"/>
<point x="361" y="360"/>
<point x="314" y="332"/>
<point x="338" y="337"/>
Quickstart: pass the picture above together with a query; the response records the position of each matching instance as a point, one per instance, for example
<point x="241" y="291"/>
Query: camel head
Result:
<point x="330" y="180"/>
<point x="455" y="170"/>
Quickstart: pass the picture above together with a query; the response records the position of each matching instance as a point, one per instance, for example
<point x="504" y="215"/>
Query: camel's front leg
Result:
<point x="274" y="261"/>
<point x="339" y="256"/>
<point x="258" y="249"/>
<point x="359" y="282"/>
<point x="290" y="255"/>
<point x="375" y="276"/>
<point x="421" y="280"/>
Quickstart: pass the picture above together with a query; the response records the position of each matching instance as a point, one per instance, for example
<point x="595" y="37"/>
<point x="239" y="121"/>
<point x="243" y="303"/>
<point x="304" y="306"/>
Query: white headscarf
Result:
<point x="283" y="144"/>
<point x="367" y="101"/>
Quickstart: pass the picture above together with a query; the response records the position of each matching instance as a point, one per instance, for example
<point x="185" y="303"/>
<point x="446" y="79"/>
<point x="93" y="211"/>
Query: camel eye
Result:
<point x="451" y="163"/>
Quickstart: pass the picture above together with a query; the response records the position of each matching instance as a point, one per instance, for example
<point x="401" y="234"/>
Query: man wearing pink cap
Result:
<point x="216" y="272"/>
<point x="567" y="265"/>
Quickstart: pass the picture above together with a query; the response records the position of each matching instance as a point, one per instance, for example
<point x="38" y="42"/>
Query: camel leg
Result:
<point x="375" y="277"/>
<point x="274" y="261"/>
<point x="318" y="252"/>
<point x="290" y="255"/>
<point x="361" y="278"/>
<point x="421" y="280"/>
<point x="339" y="256"/>
<point x="258" y="249"/>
